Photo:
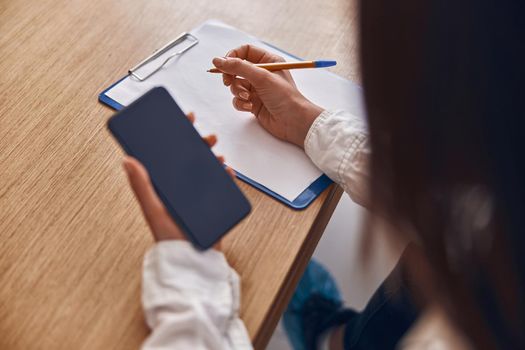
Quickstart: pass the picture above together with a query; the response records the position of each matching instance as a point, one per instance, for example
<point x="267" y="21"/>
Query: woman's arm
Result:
<point x="337" y="142"/>
<point x="191" y="299"/>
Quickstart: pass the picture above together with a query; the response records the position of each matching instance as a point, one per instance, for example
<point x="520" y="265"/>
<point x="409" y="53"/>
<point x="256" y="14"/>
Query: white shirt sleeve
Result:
<point x="191" y="299"/>
<point x="338" y="144"/>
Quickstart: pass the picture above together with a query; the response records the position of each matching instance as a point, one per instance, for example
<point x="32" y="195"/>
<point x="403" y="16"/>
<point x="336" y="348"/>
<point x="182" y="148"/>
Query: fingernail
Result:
<point x="247" y="105"/>
<point x="244" y="95"/>
<point x="218" y="61"/>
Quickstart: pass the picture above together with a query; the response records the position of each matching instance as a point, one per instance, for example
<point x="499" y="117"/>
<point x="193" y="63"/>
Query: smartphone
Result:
<point x="197" y="191"/>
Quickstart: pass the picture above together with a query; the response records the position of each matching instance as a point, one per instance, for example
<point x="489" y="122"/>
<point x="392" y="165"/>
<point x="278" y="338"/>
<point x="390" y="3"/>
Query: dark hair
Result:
<point x="443" y="84"/>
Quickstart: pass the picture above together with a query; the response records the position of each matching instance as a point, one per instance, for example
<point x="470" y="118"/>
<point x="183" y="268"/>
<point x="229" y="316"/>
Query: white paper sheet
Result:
<point x="247" y="147"/>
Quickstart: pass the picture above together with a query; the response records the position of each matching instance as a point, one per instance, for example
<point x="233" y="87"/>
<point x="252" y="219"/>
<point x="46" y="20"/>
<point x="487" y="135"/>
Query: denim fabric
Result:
<point x="316" y="307"/>
<point x="386" y="318"/>
<point x="316" y="297"/>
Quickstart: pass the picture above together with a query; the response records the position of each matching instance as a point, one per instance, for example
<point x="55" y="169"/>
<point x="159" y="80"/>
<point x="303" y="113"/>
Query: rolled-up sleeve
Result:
<point x="191" y="299"/>
<point x="338" y="144"/>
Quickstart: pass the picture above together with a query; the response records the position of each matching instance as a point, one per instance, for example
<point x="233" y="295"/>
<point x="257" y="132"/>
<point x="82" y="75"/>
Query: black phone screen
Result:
<point x="195" y="188"/>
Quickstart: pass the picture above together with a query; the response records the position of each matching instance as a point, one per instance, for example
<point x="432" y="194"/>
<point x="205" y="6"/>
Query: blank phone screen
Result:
<point x="195" y="188"/>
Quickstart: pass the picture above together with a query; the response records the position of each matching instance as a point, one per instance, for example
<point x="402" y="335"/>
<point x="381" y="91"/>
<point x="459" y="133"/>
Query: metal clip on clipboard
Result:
<point x="184" y="37"/>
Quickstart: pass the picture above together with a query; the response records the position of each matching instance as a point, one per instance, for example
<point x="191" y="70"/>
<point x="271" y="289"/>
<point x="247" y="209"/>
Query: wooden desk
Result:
<point x="72" y="237"/>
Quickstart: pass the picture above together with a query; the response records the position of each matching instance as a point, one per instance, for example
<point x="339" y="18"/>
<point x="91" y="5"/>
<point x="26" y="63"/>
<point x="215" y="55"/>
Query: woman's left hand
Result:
<point x="159" y="220"/>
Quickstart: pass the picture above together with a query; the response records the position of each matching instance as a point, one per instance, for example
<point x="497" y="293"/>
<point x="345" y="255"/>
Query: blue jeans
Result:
<point x="388" y="315"/>
<point x="316" y="307"/>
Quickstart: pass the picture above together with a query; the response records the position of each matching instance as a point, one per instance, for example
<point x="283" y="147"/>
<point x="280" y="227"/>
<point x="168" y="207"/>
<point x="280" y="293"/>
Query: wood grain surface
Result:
<point x="72" y="236"/>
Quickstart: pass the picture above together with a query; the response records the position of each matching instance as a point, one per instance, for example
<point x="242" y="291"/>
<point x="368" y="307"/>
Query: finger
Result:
<point x="230" y="171"/>
<point x="238" y="90"/>
<point x="254" y="54"/>
<point x="227" y="79"/>
<point x="227" y="168"/>
<point x="191" y="117"/>
<point x="244" y="83"/>
<point x="140" y="182"/>
<point x="241" y="105"/>
<point x="211" y="140"/>
<point x="242" y="68"/>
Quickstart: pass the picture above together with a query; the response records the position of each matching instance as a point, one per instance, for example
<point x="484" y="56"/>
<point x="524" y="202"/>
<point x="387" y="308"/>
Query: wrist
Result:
<point x="308" y="113"/>
<point x="167" y="232"/>
<point x="168" y="237"/>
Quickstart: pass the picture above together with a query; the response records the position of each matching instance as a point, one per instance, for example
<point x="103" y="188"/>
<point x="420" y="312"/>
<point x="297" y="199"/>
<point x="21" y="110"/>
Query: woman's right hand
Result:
<point x="272" y="97"/>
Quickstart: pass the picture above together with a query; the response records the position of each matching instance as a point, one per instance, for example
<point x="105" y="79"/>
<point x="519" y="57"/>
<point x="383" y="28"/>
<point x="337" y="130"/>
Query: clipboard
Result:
<point x="187" y="41"/>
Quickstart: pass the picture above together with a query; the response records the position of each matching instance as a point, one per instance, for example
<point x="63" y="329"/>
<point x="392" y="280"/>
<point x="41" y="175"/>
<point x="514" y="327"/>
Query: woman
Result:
<point x="443" y="90"/>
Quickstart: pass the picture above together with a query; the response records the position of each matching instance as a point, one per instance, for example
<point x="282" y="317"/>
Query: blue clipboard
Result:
<point x="301" y="202"/>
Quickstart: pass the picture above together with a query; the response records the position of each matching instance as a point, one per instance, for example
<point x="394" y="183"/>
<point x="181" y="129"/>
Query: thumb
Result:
<point x="242" y="68"/>
<point x="140" y="182"/>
